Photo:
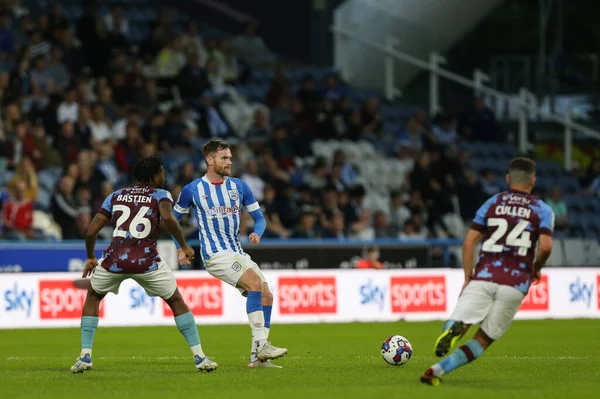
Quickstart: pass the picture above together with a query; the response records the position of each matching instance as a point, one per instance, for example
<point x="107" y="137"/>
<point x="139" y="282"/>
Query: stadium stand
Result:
<point x="87" y="89"/>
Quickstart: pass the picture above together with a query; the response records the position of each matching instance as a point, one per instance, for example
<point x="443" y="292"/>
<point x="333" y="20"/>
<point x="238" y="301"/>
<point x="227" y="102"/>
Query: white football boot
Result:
<point x="270" y="352"/>
<point x="205" y="364"/>
<point x="82" y="364"/>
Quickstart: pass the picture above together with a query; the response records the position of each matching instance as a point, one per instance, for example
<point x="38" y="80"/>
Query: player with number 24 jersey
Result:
<point x="511" y="223"/>
<point x="515" y="231"/>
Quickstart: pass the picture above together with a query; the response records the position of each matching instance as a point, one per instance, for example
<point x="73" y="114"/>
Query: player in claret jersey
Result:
<point x="511" y="225"/>
<point x="138" y="210"/>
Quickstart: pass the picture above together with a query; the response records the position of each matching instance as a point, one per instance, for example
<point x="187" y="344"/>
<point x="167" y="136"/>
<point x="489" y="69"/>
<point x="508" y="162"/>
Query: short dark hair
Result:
<point x="522" y="164"/>
<point x="213" y="146"/>
<point x="145" y="170"/>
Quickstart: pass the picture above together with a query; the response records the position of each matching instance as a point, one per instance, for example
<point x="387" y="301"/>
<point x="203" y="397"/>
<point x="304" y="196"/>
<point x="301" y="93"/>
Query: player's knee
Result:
<point x="267" y="297"/>
<point x="254" y="284"/>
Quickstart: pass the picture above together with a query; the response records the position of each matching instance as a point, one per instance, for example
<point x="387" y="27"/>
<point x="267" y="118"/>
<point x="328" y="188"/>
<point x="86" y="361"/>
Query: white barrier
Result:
<point x="51" y="300"/>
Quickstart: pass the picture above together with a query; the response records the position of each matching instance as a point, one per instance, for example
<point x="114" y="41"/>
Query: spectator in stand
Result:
<point x="117" y="21"/>
<point x="191" y="42"/>
<point x="7" y="40"/>
<point x="99" y="126"/>
<point x="317" y="179"/>
<point x="280" y="94"/>
<point x="309" y="97"/>
<point x="337" y="227"/>
<point x="22" y="146"/>
<point x="370" y="117"/>
<point x="470" y="195"/>
<point x="382" y="227"/>
<point x="252" y="178"/>
<point x="214" y="75"/>
<point x="59" y="25"/>
<point x="63" y="207"/>
<point x="192" y="81"/>
<point x="133" y="119"/>
<point x="489" y="182"/>
<point x="17" y="210"/>
<point x="479" y="124"/>
<point x="68" y="109"/>
<point x="25" y="173"/>
<point x="445" y="131"/>
<point x="335" y="177"/>
<point x="559" y="207"/>
<point x="228" y="63"/>
<point x="48" y="155"/>
<point x="411" y="140"/>
<point x="251" y="48"/>
<point x="170" y="60"/>
<point x="57" y="71"/>
<point x="370" y="259"/>
<point x="129" y="149"/>
<point x="275" y="229"/>
<point x="399" y="213"/>
<point x="307" y="226"/>
<point x="414" y="229"/>
<point x="38" y="46"/>
<point x="212" y="123"/>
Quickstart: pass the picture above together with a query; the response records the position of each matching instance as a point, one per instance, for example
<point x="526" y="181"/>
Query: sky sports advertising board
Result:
<point x="52" y="300"/>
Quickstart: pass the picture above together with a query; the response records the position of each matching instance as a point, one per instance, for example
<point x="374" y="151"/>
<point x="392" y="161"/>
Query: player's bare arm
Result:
<point x="468" y="253"/>
<point x="94" y="228"/>
<point x="543" y="252"/>
<point x="172" y="225"/>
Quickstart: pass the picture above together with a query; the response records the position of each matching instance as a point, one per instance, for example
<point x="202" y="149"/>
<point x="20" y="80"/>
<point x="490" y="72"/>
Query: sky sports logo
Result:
<point x="372" y="294"/>
<point x="581" y="291"/>
<point x="18" y="300"/>
<point x="139" y="299"/>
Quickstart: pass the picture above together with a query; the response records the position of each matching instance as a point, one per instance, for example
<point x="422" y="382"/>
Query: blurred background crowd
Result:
<point x="86" y="88"/>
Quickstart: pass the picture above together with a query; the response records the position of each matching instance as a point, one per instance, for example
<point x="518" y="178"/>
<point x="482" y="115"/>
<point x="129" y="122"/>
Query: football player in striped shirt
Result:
<point x="217" y="200"/>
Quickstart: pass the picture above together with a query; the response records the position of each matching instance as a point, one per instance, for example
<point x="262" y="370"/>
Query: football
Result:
<point x="396" y="350"/>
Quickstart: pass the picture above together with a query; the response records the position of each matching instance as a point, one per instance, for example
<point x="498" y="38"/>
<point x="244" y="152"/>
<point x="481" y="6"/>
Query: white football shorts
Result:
<point x="493" y="305"/>
<point x="230" y="266"/>
<point x="160" y="282"/>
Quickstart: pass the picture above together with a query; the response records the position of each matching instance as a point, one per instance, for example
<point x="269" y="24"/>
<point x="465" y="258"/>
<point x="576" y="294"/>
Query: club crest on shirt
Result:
<point x="233" y="194"/>
<point x="236" y="267"/>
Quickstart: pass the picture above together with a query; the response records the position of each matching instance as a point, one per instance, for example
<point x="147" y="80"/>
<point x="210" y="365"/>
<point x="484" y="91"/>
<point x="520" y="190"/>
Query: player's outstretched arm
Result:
<point x="182" y="206"/>
<point x="468" y="252"/>
<point x="94" y="228"/>
<point x="172" y="225"/>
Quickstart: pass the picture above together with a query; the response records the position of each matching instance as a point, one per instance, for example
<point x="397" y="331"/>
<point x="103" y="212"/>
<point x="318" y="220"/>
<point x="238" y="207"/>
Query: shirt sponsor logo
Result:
<point x="204" y="296"/>
<point x="538" y="297"/>
<point x="307" y="295"/>
<point x="418" y="294"/>
<point x="60" y="299"/>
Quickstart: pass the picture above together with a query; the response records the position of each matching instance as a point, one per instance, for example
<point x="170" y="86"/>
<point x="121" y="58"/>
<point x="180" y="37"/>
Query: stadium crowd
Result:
<point x="81" y="102"/>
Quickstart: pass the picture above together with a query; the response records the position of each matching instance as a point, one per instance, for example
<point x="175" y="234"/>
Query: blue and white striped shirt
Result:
<point x="218" y="208"/>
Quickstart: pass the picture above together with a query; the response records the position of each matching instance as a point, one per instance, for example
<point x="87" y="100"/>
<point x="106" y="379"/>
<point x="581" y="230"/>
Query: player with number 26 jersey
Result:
<point x="511" y="223"/>
<point x="133" y="248"/>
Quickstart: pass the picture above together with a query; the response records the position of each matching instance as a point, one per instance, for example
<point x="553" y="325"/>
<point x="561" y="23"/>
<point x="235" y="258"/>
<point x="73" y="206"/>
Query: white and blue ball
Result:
<point x="396" y="350"/>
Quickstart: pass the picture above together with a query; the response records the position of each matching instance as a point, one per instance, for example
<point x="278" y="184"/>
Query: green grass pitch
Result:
<point x="536" y="359"/>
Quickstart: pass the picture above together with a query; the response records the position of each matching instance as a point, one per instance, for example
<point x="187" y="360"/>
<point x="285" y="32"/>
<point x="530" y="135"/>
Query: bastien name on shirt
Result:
<point x="134" y="198"/>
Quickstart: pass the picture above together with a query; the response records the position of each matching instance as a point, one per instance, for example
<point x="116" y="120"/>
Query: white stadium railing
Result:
<point x="526" y="101"/>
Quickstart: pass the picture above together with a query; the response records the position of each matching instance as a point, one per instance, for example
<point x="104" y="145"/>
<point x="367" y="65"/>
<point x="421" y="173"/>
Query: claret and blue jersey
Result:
<point x="133" y="247"/>
<point x="218" y="208"/>
<point x="511" y="223"/>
